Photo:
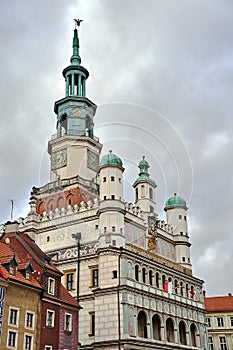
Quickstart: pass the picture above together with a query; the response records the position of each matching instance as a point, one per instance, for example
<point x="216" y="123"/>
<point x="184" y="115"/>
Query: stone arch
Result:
<point x="60" y="202"/>
<point x="70" y="199"/>
<point x="193" y="333"/>
<point x="182" y="333"/>
<point x="170" y="333"/>
<point x="142" y="324"/>
<point x="156" y="327"/>
<point x="50" y="205"/>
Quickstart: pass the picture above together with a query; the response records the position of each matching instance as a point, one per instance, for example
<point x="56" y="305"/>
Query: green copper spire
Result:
<point x="143" y="173"/>
<point x="75" y="58"/>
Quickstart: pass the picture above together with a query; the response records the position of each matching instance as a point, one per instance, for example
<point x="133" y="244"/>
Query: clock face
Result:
<point x="58" y="159"/>
<point x="92" y="160"/>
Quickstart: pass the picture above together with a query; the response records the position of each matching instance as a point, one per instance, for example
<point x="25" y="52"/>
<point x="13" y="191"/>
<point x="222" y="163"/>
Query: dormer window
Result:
<point x="12" y="270"/>
<point x="51" y="285"/>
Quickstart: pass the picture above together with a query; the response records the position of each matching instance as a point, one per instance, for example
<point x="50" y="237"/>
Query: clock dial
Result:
<point x="58" y="159"/>
<point x="92" y="160"/>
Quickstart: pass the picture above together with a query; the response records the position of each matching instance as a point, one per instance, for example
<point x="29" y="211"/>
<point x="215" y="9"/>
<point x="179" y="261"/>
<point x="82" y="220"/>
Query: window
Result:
<point x="185" y="218"/>
<point x="96" y="227"/>
<point x="105" y="197"/>
<point x="114" y="242"/>
<point x="28" y="342"/>
<point x="151" y="193"/>
<point x="92" y="324"/>
<point x="142" y="325"/>
<point x="181" y="233"/>
<point x="210" y="343"/>
<point x="119" y="180"/>
<point x="183" y="258"/>
<point x="105" y="229"/>
<point x="151" y="209"/>
<point x="29" y="320"/>
<point x="143" y="275"/>
<point x="150" y="277"/>
<point x="48" y="347"/>
<point x="28" y="275"/>
<point x="104" y="179"/>
<point x="142" y="191"/>
<point x="13" y="316"/>
<point x="180" y="217"/>
<point x="50" y="318"/>
<point x="136" y="193"/>
<point x="94" y="277"/>
<point x="112" y="196"/>
<point x="231" y="321"/>
<point x="12" y="270"/>
<point x="12" y="339"/>
<point x="136" y="272"/>
<point x="220" y="322"/>
<point x="70" y="281"/>
<point x="113" y="229"/>
<point x="48" y="238"/>
<point x="223" y="345"/>
<point x="68" y="323"/>
<point x="51" y="286"/>
<point x="208" y="321"/>
<point x="112" y="178"/>
<point x="114" y="274"/>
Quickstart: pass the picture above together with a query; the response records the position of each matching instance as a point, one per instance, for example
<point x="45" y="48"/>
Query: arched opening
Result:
<point x="50" y="205"/>
<point x="150" y="193"/>
<point x="136" y="193"/>
<point x="193" y="331"/>
<point x="136" y="270"/>
<point x="181" y="288"/>
<point x="151" y="278"/>
<point x="182" y="333"/>
<point x="70" y="199"/>
<point x="143" y="275"/>
<point x="170" y="330"/>
<point x="157" y="277"/>
<point x="156" y="325"/>
<point x="187" y="290"/>
<point x="142" y="328"/>
<point x="64" y="124"/>
<point x="88" y="126"/>
<point x="142" y="191"/>
<point x="176" y="286"/>
<point x="60" y="202"/>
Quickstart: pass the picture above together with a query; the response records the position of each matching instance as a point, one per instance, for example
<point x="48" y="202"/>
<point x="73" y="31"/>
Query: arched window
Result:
<point x="142" y="191"/>
<point x="193" y="331"/>
<point x="151" y="193"/>
<point x="136" y="193"/>
<point x="156" y="324"/>
<point x="70" y="199"/>
<point x="136" y="272"/>
<point x="142" y="328"/>
<point x="182" y="333"/>
<point x="151" y="278"/>
<point x="64" y="124"/>
<point x="163" y="281"/>
<point x="187" y="290"/>
<point x="157" y="277"/>
<point x="170" y="330"/>
<point x="181" y="288"/>
<point x="143" y="275"/>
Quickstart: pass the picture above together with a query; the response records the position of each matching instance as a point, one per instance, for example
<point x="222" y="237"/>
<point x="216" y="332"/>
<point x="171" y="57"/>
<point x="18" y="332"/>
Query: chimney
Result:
<point x="11" y="226"/>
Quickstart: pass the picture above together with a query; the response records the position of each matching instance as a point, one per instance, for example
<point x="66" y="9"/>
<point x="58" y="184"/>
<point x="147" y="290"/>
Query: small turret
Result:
<point x="176" y="212"/>
<point x="111" y="219"/>
<point x="145" y="188"/>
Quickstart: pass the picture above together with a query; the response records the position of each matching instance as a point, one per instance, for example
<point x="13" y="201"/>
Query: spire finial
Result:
<point x="75" y="59"/>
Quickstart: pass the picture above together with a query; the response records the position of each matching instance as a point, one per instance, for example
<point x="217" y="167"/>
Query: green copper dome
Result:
<point x="175" y="201"/>
<point x="111" y="159"/>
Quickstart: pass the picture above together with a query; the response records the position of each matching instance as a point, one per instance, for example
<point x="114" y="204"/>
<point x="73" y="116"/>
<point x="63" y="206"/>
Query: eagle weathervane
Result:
<point x="77" y="22"/>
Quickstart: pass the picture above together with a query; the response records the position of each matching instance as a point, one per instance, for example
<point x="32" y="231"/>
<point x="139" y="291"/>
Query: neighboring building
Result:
<point x="37" y="311"/>
<point x="130" y="271"/>
<point x="219" y="318"/>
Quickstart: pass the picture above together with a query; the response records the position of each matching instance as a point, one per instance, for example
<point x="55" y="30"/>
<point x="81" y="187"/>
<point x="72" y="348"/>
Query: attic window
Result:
<point x="28" y="275"/>
<point x="12" y="270"/>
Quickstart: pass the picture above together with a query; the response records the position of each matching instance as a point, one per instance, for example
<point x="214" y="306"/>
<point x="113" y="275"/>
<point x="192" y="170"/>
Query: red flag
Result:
<point x="165" y="287"/>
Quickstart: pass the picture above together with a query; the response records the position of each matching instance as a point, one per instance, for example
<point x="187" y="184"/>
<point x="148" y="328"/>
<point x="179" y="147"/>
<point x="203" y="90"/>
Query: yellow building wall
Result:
<point x="25" y="299"/>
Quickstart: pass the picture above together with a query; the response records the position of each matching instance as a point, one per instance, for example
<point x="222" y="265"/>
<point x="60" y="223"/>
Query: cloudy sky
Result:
<point x="161" y="73"/>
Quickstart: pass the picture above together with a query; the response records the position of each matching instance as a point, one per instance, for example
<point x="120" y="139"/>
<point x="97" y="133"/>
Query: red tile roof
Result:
<point x="222" y="303"/>
<point x="67" y="298"/>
